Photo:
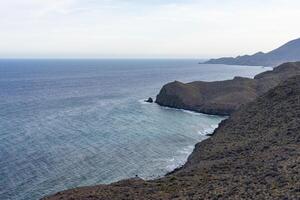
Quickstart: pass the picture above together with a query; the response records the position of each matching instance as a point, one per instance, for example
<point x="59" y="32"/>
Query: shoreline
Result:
<point x="237" y="161"/>
<point x="223" y="97"/>
<point x="191" y="112"/>
<point x="208" y="135"/>
<point x="207" y="114"/>
<point x="108" y="135"/>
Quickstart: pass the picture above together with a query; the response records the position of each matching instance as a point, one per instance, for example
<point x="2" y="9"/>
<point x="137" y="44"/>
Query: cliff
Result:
<point x="223" y="97"/>
<point x="254" y="154"/>
<point x="289" y="52"/>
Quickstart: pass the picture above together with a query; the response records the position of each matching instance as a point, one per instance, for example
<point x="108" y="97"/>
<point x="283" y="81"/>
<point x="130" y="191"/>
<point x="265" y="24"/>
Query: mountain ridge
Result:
<point x="289" y="52"/>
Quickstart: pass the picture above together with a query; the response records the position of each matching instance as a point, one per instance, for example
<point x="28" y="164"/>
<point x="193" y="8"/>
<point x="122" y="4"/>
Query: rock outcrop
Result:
<point x="254" y="154"/>
<point x="149" y="100"/>
<point x="223" y="97"/>
<point x="289" y="52"/>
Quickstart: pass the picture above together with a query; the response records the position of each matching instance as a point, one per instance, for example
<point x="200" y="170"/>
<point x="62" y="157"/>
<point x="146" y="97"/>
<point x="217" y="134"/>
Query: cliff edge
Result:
<point x="254" y="154"/>
<point x="223" y="97"/>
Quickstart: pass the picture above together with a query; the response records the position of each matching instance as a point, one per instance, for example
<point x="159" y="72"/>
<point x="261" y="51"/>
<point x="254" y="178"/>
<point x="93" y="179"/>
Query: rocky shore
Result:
<point x="223" y="97"/>
<point x="254" y="154"/>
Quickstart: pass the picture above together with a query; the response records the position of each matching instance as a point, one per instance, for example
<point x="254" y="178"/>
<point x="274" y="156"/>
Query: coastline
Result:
<point x="223" y="97"/>
<point x="207" y="135"/>
<point x="227" y="115"/>
<point x="207" y="132"/>
<point x="93" y="130"/>
<point x="194" y="111"/>
<point x="255" y="162"/>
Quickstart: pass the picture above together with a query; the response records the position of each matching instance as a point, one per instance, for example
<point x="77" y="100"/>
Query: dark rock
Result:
<point x="150" y="100"/>
<point x="290" y="52"/>
<point x="223" y="97"/>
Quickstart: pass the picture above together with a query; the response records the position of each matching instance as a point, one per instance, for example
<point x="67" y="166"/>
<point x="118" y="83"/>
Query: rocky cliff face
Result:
<point x="289" y="52"/>
<point x="223" y="97"/>
<point x="254" y="154"/>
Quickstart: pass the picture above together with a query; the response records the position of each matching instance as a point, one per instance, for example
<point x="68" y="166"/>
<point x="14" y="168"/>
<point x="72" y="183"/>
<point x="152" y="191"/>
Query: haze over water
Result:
<point x="70" y="123"/>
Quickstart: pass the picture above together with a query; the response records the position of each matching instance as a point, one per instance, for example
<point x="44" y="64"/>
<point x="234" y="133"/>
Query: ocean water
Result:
<point x="70" y="123"/>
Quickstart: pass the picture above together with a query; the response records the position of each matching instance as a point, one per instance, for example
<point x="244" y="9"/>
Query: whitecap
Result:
<point x="179" y="160"/>
<point x="143" y="101"/>
<point x="186" y="150"/>
<point x="208" y="130"/>
<point x="192" y="112"/>
<point x="183" y="110"/>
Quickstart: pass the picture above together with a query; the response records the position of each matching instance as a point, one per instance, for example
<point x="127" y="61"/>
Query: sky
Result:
<point x="144" y="29"/>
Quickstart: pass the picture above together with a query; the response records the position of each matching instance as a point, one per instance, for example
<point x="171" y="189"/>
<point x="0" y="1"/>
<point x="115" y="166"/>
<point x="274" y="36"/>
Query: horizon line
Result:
<point x="104" y="58"/>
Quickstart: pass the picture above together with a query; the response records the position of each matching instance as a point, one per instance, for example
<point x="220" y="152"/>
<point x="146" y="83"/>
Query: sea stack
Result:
<point x="149" y="100"/>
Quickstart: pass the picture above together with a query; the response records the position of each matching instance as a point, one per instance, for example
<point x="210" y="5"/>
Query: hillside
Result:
<point x="223" y="97"/>
<point x="255" y="154"/>
<point x="289" y="52"/>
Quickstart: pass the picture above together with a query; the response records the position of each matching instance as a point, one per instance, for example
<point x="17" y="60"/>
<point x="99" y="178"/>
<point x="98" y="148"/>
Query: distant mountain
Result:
<point x="289" y="52"/>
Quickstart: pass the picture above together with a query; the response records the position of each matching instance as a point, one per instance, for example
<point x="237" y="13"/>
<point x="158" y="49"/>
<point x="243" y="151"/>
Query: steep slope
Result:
<point x="255" y="154"/>
<point x="223" y="97"/>
<point x="289" y="52"/>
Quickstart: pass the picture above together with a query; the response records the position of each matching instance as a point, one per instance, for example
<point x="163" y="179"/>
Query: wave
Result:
<point x="192" y="112"/>
<point x="186" y="111"/>
<point x="208" y="130"/>
<point x="186" y="150"/>
<point x="143" y="101"/>
<point x="184" y="153"/>
<point x="267" y="68"/>
<point x="181" y="159"/>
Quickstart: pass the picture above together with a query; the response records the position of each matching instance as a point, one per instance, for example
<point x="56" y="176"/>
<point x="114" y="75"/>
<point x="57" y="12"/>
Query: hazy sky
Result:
<point x="140" y="28"/>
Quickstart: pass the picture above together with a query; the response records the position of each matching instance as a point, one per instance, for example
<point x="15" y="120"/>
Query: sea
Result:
<point x="67" y="123"/>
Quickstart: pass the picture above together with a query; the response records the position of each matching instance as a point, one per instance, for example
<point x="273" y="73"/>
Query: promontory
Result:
<point x="254" y="154"/>
<point x="223" y="97"/>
